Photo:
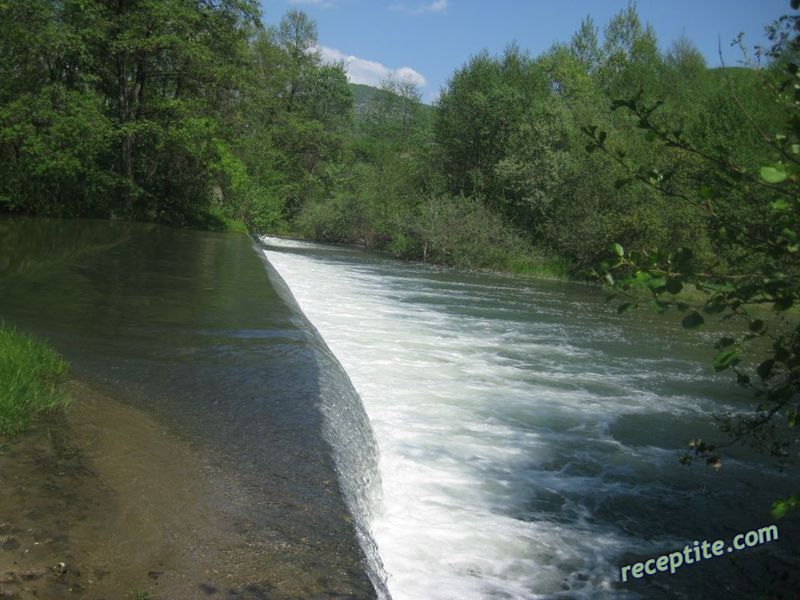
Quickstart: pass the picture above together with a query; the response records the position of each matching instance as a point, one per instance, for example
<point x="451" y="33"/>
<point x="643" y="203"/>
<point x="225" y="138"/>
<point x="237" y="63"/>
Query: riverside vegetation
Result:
<point x="209" y="118"/>
<point x="31" y="378"/>
<point x="603" y="154"/>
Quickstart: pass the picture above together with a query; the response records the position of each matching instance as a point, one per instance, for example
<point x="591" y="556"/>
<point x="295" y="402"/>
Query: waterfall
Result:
<point x="347" y="430"/>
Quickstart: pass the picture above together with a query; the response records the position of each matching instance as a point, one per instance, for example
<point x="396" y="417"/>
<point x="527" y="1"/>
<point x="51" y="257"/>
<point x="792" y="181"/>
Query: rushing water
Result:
<point x="529" y="435"/>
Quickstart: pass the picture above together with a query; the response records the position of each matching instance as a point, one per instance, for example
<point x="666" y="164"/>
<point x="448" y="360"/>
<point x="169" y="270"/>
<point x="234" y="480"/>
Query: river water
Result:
<point x="529" y="435"/>
<point x="186" y="326"/>
<point x="397" y="430"/>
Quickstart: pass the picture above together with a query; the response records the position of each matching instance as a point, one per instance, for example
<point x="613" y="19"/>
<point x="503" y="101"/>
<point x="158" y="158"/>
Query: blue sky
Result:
<point x="426" y="40"/>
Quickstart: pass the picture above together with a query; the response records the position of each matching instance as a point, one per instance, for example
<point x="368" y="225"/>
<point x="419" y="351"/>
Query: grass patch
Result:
<point x="31" y="380"/>
<point x="215" y="218"/>
<point x="532" y="265"/>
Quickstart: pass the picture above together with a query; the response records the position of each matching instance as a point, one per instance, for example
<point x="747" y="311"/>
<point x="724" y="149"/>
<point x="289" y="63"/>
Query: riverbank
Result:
<point x="525" y="266"/>
<point x="102" y="501"/>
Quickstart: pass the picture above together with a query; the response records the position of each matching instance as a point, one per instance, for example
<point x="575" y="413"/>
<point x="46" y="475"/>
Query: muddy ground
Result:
<point x="104" y="503"/>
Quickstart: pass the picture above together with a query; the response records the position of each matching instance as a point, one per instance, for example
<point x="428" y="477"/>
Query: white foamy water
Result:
<point x="527" y="438"/>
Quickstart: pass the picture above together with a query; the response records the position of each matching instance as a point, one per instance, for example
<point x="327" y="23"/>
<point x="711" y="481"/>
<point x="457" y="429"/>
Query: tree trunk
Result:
<point x="126" y="150"/>
<point x="130" y="100"/>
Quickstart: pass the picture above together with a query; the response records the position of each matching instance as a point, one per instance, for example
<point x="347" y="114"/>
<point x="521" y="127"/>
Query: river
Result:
<point x="529" y="435"/>
<point x="397" y="430"/>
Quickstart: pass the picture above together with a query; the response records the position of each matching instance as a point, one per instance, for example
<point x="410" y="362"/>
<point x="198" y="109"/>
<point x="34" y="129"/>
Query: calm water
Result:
<point x="186" y="325"/>
<point x="529" y="436"/>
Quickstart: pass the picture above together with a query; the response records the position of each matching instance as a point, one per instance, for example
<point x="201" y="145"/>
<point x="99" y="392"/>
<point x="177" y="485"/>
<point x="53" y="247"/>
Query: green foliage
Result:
<point x="463" y="232"/>
<point x="293" y="116"/>
<point x="112" y="108"/>
<point x="50" y="143"/>
<point x="31" y="378"/>
<point x="783" y="507"/>
<point x="194" y="114"/>
<point x="750" y="203"/>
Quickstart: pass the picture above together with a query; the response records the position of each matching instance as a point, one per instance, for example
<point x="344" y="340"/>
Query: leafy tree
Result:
<point x="752" y="217"/>
<point x="585" y="46"/>
<point x="112" y="107"/>
<point x="294" y="113"/>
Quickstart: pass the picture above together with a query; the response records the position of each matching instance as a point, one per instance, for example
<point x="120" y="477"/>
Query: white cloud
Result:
<point x="370" y="72"/>
<point x="437" y="6"/>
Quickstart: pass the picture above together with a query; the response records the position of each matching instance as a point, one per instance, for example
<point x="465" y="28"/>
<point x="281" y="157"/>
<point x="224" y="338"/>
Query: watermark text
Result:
<point x="698" y="551"/>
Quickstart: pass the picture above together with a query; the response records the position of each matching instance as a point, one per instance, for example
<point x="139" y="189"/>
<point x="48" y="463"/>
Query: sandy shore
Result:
<point x="104" y="503"/>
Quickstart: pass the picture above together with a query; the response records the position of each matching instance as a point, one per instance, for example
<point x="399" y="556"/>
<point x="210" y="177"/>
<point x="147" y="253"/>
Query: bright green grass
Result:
<point x="31" y="380"/>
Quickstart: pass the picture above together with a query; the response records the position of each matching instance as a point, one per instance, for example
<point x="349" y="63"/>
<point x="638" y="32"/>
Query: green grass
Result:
<point x="215" y="218"/>
<point x="530" y="265"/>
<point x="235" y="225"/>
<point x="31" y="380"/>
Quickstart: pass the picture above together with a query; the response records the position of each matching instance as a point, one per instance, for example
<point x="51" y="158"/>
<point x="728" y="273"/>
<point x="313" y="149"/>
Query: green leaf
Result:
<point x="784" y="506"/>
<point x="756" y="325"/>
<point x="725" y="359"/>
<point x="772" y="174"/>
<point x="780" y="205"/>
<point x="692" y="320"/>
<point x="618" y="249"/>
<point x="660" y="307"/>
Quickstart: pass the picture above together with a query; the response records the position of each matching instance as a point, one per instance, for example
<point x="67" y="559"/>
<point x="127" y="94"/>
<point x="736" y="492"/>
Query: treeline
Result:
<point x="497" y="174"/>
<point x="193" y="112"/>
<point x="177" y="111"/>
<point x="117" y="108"/>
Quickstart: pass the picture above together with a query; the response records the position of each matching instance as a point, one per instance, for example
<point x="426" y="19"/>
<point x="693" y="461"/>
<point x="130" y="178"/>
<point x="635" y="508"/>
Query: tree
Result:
<point x="297" y="38"/>
<point x="500" y="125"/>
<point x="294" y="112"/>
<point x="754" y="282"/>
<point x="585" y="46"/>
<point x="139" y="88"/>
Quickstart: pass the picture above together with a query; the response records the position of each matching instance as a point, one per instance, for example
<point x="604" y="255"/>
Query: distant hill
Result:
<point x="364" y="94"/>
<point x="363" y="97"/>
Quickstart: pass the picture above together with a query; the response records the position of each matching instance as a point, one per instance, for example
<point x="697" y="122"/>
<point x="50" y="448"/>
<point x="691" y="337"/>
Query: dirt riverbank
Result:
<point x="104" y="503"/>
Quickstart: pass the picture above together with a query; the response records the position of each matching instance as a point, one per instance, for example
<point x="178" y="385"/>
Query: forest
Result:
<point x="195" y="113"/>
<point x="603" y="157"/>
